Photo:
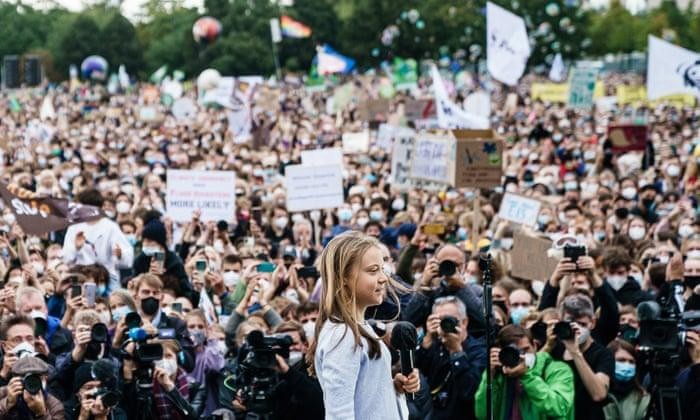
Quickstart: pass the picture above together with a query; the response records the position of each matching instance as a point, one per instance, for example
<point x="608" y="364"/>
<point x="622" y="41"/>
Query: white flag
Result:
<point x="558" y="71"/>
<point x="450" y="115"/>
<point x="47" y="110"/>
<point x="508" y="47"/>
<point x="124" y="81"/>
<point x="671" y="70"/>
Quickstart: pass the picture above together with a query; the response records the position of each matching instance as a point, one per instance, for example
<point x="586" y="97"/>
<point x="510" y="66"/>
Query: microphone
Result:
<point x="404" y="338"/>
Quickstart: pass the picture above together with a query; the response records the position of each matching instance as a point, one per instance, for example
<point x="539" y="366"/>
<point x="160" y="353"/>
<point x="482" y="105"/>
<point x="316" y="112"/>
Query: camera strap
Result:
<point x="435" y="391"/>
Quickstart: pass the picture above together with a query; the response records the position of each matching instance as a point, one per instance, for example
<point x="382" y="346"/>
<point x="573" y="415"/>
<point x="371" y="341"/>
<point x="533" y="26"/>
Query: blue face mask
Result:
<point x="516" y="314"/>
<point x="102" y="290"/>
<point x="149" y="251"/>
<point x="624" y="372"/>
<point x="344" y="214"/>
<point x="120" y="312"/>
<point x="462" y="234"/>
<point x="376" y="215"/>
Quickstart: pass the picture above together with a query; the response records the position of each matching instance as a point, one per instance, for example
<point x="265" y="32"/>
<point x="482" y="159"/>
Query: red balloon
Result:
<point x="206" y="29"/>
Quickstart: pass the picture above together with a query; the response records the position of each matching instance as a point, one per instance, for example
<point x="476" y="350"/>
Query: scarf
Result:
<point x="166" y="410"/>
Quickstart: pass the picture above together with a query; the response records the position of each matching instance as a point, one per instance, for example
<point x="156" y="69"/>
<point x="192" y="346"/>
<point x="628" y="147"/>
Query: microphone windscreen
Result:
<point x="404" y="336"/>
<point x="648" y="310"/>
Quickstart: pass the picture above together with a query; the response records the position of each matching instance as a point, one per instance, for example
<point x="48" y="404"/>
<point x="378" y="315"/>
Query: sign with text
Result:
<point x="432" y="158"/>
<point x="582" y="87"/>
<point x="478" y="160"/>
<point x="322" y="157"/>
<point x="313" y="187"/>
<point x="374" y="110"/>
<point x="519" y="209"/>
<point x="401" y="162"/>
<point x="529" y="258"/>
<point x="356" y="142"/>
<point x="212" y="192"/>
<point x="627" y="138"/>
<point x="419" y="109"/>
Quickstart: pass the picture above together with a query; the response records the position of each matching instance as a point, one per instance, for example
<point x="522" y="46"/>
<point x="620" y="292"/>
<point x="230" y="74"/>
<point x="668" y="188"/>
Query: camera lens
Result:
<point x="32" y="383"/>
<point x="109" y="398"/>
<point x="132" y="320"/>
<point x="448" y="324"/>
<point x="509" y="356"/>
<point x="563" y="330"/>
<point x="447" y="268"/>
<point x="99" y="333"/>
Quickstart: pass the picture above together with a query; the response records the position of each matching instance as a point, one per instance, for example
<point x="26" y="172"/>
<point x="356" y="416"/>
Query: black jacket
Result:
<point x="419" y="307"/>
<point x="183" y="338"/>
<point x="174" y="277"/>
<point x="299" y="395"/>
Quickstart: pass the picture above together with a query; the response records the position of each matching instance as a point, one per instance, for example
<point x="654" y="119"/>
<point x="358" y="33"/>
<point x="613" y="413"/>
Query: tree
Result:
<point x="75" y="41"/>
<point x="120" y="45"/>
<point x="617" y="31"/>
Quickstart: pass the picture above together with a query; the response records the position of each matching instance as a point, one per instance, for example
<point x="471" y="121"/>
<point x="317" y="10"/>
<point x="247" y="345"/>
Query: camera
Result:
<point x="573" y="252"/>
<point x="447" y="268"/>
<point x="144" y="353"/>
<point x="448" y="324"/>
<point x="563" y="330"/>
<point x="509" y="356"/>
<point x="99" y="333"/>
<point x="668" y="334"/>
<point x="258" y="378"/>
<point x="109" y="397"/>
<point x="32" y="383"/>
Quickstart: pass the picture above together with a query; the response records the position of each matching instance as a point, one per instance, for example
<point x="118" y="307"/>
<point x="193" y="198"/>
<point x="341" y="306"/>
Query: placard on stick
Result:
<point x="478" y="159"/>
<point x="529" y="258"/>
<point x="519" y="209"/>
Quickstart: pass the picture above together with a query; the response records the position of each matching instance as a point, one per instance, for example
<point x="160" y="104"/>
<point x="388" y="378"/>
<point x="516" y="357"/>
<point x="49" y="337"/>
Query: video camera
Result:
<point x="144" y="353"/>
<point x="258" y="378"/>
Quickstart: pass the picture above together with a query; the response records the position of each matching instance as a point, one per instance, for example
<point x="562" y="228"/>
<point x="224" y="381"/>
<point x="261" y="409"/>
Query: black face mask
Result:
<point x="691" y="282"/>
<point x="150" y="306"/>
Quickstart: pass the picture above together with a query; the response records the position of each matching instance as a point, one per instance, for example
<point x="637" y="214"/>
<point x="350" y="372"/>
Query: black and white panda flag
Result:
<point x="671" y="70"/>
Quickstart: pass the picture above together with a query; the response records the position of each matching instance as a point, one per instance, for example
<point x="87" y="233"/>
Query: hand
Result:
<point x="7" y="296"/>
<point x="75" y="303"/>
<point x="282" y="365"/>
<point x="238" y="404"/>
<point x="35" y="403"/>
<point x="216" y="282"/>
<point x="30" y="276"/>
<point x="564" y="267"/>
<point x="430" y="272"/>
<point x="117" y="252"/>
<point x="586" y="263"/>
<point x="197" y="281"/>
<point x="517" y="371"/>
<point x="150" y="328"/>
<point x="86" y="405"/>
<point x="41" y="347"/>
<point x="163" y="379"/>
<point x="418" y="237"/>
<point x="674" y="269"/>
<point x="7" y="363"/>
<point x="14" y="390"/>
<point x="119" y="331"/>
<point x="572" y="345"/>
<point x="196" y="214"/>
<point x="432" y="325"/>
<point x="693" y="339"/>
<point x="407" y="384"/>
<point x="495" y="361"/>
<point x="79" y="240"/>
<point x="82" y="339"/>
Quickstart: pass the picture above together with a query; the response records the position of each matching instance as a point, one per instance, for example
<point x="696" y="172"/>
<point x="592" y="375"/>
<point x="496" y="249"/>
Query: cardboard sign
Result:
<point x="627" y="138"/>
<point x="356" y="142"/>
<point x="420" y="109"/>
<point x="313" y="187"/>
<point x="432" y="159"/>
<point x="401" y="159"/>
<point x="550" y="92"/>
<point x="322" y="157"/>
<point x="529" y="258"/>
<point x="478" y="159"/>
<point x="519" y="209"/>
<point x="374" y="110"/>
<point x="148" y="114"/>
<point x="212" y="192"/>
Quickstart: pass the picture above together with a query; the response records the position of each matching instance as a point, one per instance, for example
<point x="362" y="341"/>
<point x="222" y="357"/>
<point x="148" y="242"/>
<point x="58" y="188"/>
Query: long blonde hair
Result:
<point x="338" y="266"/>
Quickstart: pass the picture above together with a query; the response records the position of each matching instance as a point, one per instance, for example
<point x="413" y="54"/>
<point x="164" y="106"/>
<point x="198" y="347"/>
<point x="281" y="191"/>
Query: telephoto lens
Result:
<point x="32" y="383"/>
<point x="563" y="330"/>
<point x="509" y="356"/>
<point x="447" y="268"/>
<point x="448" y="324"/>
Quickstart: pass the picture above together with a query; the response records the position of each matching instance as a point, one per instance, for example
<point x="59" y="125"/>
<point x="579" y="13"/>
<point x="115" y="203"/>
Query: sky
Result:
<point x="130" y="8"/>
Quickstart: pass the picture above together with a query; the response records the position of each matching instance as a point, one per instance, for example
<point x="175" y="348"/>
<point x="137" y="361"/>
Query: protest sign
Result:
<point x="519" y="209"/>
<point x="401" y="159"/>
<point x="582" y="86"/>
<point x="432" y="158"/>
<point x="356" y="142"/>
<point x="149" y="114"/>
<point x="631" y="94"/>
<point x="419" y="109"/>
<point x="374" y="109"/>
<point x="627" y="138"/>
<point x="550" y="92"/>
<point x="322" y="157"/>
<point x="184" y="109"/>
<point x="478" y="159"/>
<point x="529" y="258"/>
<point x="342" y="96"/>
<point x="212" y="192"/>
<point x="313" y="187"/>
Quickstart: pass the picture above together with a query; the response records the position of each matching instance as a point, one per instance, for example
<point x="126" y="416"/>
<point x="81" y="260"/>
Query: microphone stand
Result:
<point x="485" y="267"/>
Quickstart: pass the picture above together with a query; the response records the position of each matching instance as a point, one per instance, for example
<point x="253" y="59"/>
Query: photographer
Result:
<point x="526" y="384"/>
<point x="96" y="394"/>
<point x="24" y="397"/>
<point x="593" y="364"/>
<point x="17" y="336"/>
<point x="55" y="339"/>
<point x="451" y="359"/>
<point x="448" y="268"/>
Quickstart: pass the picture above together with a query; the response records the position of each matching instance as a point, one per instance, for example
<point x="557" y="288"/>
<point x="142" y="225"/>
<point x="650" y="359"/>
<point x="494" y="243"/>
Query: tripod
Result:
<point x="144" y="395"/>
<point x="485" y="267"/>
<point x="665" y="404"/>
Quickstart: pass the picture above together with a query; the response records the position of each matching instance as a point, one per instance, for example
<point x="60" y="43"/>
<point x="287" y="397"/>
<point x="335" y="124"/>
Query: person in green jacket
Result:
<point x="539" y="387"/>
<point x="628" y="400"/>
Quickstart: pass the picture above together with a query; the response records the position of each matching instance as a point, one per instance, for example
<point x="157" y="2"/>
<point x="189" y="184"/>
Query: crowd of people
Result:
<point x="106" y="320"/>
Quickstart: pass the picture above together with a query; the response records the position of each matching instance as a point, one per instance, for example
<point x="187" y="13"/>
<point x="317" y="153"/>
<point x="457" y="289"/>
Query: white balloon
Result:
<point x="208" y="79"/>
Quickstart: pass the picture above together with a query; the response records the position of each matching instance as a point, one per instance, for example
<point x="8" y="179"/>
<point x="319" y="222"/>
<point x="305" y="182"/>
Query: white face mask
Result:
<point x="694" y="254"/>
<point x="168" y="365"/>
<point x="231" y="278"/>
<point x="637" y="233"/>
<point x="104" y="317"/>
<point x="616" y="282"/>
<point x="37" y="314"/>
<point x="281" y="222"/>
<point x="355" y="207"/>
<point x="585" y="333"/>
<point x="123" y="207"/>
<point x="38" y="267"/>
<point x="309" y="329"/>
<point x="295" y="357"/>
<point x="629" y="193"/>
<point x="530" y="360"/>
<point x="685" y="231"/>
<point x="23" y="349"/>
<point x="9" y="218"/>
<point x="362" y="221"/>
<point x="537" y="287"/>
<point x="398" y="204"/>
<point x="673" y="170"/>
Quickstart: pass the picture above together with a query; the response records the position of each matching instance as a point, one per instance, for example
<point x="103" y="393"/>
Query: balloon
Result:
<point x="375" y="52"/>
<point x="94" y="67"/>
<point x="206" y="29"/>
<point x="552" y="9"/>
<point x="420" y="24"/>
<point x="565" y="23"/>
<point x="208" y="79"/>
<point x="413" y="15"/>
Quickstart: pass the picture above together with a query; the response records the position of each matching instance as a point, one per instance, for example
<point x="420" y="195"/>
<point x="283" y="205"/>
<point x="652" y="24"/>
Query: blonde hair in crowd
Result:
<point x="338" y="265"/>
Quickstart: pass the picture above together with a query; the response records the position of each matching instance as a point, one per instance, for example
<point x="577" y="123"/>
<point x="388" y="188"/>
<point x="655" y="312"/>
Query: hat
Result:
<point x="155" y="231"/>
<point x="289" y="251"/>
<point x="407" y="229"/>
<point x="29" y="364"/>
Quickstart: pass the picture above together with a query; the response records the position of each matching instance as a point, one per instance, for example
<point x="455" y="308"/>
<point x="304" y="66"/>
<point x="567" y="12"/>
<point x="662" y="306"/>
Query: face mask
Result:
<point x="231" y="278"/>
<point x="537" y="287"/>
<point x="624" y="371"/>
<point x="629" y="193"/>
<point x="685" y="231"/>
<point x="104" y="317"/>
<point x="516" y="314"/>
<point x="221" y="347"/>
<point x="344" y="214"/>
<point x="23" y="349"/>
<point x="362" y="221"/>
<point x="219" y="246"/>
<point x="9" y="218"/>
<point x="507" y="244"/>
<point x="638" y="277"/>
<point x="37" y="314"/>
<point x="530" y="360"/>
<point x="616" y="282"/>
<point x="462" y="234"/>
<point x="691" y="282"/>
<point x="472" y="279"/>
<point x="168" y="365"/>
<point x="281" y="222"/>
<point x="694" y="254"/>
<point x="589" y="155"/>
<point x="38" y="267"/>
<point x="150" y="305"/>
<point x="355" y="207"/>
<point x="637" y="233"/>
<point x="543" y="219"/>
<point x="198" y="337"/>
<point x="309" y="329"/>
<point x="398" y="204"/>
<point x="376" y="215"/>
<point x="673" y="170"/>
<point x="150" y="251"/>
<point x="585" y="333"/>
<point x="663" y="259"/>
<point x="131" y="238"/>
<point x="599" y="235"/>
<point x="110" y="214"/>
<point x="123" y="207"/>
<point x="119" y="313"/>
<point x="295" y="357"/>
<point x="101" y="290"/>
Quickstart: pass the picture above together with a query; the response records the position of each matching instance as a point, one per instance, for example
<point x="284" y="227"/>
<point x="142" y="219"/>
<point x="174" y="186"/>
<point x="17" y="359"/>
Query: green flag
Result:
<point x="15" y="106"/>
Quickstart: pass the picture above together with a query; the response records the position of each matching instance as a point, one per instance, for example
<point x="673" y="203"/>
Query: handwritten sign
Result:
<point x="529" y="258"/>
<point x="401" y="162"/>
<point x="420" y="109"/>
<point x="356" y="142"/>
<point x="519" y="209"/>
<point x="431" y="159"/>
<point x="313" y="187"/>
<point x="627" y="138"/>
<point x="212" y="192"/>
<point x="582" y="87"/>
<point x="322" y="157"/>
<point x="478" y="159"/>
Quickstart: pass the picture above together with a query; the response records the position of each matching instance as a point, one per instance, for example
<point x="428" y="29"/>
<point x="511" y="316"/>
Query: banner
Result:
<point x="626" y="138"/>
<point x="582" y="87"/>
<point x="507" y="45"/>
<point x="448" y="113"/>
<point x="212" y="192"/>
<point x="38" y="215"/>
<point x="637" y="95"/>
<point x="671" y="70"/>
<point x="356" y="142"/>
<point x="558" y="71"/>
<point x="313" y="187"/>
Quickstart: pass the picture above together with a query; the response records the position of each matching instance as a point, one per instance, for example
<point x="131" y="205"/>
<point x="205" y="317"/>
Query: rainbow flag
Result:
<point x="293" y="29"/>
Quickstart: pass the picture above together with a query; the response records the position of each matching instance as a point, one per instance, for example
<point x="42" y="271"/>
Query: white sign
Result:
<point x="478" y="103"/>
<point x="507" y="45"/>
<point x="518" y="209"/>
<point x="356" y="142"/>
<point x="148" y="113"/>
<point x="387" y="135"/>
<point x="322" y="157"/>
<point x="557" y="73"/>
<point x="431" y="159"/>
<point x="449" y="115"/>
<point x="401" y="162"/>
<point x="671" y="70"/>
<point x="212" y="192"/>
<point x="313" y="187"/>
<point x="184" y="109"/>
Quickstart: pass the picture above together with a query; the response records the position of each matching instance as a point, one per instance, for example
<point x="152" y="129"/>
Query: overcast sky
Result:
<point x="130" y="8"/>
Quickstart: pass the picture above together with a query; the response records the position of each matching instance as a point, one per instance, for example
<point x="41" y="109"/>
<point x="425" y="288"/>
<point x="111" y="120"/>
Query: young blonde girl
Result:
<point x="352" y="364"/>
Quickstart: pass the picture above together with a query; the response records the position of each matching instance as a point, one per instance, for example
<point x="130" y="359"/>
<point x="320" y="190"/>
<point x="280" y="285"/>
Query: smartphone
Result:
<point x="573" y="252"/>
<point x="434" y="229"/>
<point x="306" y="272"/>
<point x="76" y="290"/>
<point x="159" y="256"/>
<point x="266" y="267"/>
<point x="200" y="265"/>
<point x="176" y="307"/>
<point x="89" y="291"/>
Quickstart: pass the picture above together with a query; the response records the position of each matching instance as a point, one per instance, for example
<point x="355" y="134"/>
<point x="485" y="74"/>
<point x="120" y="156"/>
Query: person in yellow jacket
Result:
<point x="538" y="388"/>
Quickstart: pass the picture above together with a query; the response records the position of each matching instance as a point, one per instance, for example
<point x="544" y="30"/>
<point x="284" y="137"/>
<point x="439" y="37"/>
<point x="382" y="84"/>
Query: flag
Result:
<point x="671" y="70"/>
<point x="47" y="110"/>
<point x="404" y="73"/>
<point x="37" y="214"/>
<point x="159" y="74"/>
<point x="507" y="45"/>
<point x="329" y="61"/>
<point x="15" y="106"/>
<point x="558" y="71"/>
<point x="124" y="81"/>
<point x="449" y="115"/>
<point x="315" y="82"/>
<point x="294" y="29"/>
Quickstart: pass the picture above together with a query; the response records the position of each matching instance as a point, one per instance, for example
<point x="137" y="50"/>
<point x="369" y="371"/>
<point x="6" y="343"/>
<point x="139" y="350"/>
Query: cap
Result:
<point x="29" y="364"/>
<point x="289" y="251"/>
